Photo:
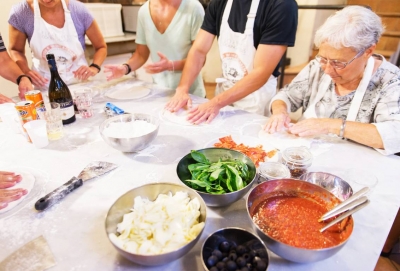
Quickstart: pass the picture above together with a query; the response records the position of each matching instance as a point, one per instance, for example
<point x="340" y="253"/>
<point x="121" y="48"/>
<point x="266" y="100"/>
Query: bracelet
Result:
<point x="128" y="67"/>
<point x="96" y="66"/>
<point x="173" y="67"/>
<point x="20" y="77"/>
<point x="342" y="127"/>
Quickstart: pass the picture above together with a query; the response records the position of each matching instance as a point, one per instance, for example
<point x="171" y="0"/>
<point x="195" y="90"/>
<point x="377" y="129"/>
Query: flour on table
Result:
<point x="27" y="182"/>
<point x="129" y="129"/>
<point x="134" y="92"/>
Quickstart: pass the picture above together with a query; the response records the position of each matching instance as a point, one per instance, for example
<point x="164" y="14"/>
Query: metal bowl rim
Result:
<point x="280" y="242"/>
<point x="163" y="254"/>
<point x="234" y="228"/>
<point x="200" y="192"/>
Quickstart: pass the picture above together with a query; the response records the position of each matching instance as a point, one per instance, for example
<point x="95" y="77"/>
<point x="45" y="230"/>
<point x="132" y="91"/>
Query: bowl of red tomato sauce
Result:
<point x="285" y="215"/>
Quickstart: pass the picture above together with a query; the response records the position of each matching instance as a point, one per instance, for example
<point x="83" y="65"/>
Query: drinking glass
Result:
<point x="53" y="119"/>
<point x="83" y="101"/>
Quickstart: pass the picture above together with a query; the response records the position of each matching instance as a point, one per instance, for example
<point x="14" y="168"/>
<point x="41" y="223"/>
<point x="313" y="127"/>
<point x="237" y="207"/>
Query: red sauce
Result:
<point x="293" y="220"/>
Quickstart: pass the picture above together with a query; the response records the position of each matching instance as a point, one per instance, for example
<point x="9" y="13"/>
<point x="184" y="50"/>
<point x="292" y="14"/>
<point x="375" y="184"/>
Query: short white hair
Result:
<point x="356" y="27"/>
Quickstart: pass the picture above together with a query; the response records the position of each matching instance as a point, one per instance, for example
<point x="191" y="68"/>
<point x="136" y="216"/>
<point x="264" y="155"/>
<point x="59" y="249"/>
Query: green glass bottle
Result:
<point x="59" y="92"/>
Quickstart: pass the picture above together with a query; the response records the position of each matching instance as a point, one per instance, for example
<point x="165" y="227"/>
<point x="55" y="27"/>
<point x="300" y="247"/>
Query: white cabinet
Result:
<point x="130" y="15"/>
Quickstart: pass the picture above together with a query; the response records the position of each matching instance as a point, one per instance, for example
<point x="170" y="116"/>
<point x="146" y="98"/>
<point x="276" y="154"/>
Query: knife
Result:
<point x="91" y="171"/>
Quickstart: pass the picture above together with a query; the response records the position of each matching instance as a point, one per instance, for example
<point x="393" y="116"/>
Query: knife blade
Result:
<point x="92" y="170"/>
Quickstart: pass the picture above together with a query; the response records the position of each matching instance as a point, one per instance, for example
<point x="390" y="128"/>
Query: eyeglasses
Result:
<point x="337" y="65"/>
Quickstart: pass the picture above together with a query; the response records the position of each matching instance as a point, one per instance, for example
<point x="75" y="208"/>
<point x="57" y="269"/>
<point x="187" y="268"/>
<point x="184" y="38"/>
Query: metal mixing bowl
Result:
<point x="130" y="144"/>
<point x="235" y="236"/>
<point x="124" y="204"/>
<point x="269" y="189"/>
<point x="213" y="155"/>
<point x="334" y="184"/>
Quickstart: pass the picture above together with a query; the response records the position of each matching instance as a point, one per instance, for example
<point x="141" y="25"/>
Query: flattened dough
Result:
<point x="27" y="182"/>
<point x="180" y="116"/>
<point x="129" y="93"/>
<point x="283" y="140"/>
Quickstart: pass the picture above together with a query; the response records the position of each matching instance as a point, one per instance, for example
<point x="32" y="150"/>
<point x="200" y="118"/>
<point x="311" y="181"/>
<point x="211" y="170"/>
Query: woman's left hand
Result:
<point x="84" y="72"/>
<point x="311" y="127"/>
<point x="204" y="112"/>
<point x="163" y="65"/>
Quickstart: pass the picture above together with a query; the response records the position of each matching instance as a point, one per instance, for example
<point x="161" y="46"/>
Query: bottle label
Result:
<point x="67" y="110"/>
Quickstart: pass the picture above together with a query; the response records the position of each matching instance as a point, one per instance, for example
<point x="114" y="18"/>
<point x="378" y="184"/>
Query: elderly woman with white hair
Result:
<point x="346" y="90"/>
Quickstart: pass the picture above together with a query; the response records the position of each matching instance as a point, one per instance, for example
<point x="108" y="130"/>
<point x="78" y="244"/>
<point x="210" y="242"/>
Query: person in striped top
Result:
<point x="10" y="71"/>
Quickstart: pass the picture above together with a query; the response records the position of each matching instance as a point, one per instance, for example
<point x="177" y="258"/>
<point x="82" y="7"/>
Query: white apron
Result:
<point x="237" y="53"/>
<point x="356" y="101"/>
<point x="62" y="42"/>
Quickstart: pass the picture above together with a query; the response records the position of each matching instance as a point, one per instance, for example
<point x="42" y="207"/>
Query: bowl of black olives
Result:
<point x="234" y="249"/>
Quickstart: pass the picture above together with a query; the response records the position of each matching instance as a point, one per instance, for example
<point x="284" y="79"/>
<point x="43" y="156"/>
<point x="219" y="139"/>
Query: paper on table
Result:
<point x="33" y="256"/>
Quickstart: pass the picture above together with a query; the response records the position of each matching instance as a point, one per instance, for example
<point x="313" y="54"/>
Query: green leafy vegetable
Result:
<point x="217" y="178"/>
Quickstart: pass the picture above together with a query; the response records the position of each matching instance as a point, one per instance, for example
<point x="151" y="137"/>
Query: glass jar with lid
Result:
<point x="297" y="159"/>
<point x="272" y="170"/>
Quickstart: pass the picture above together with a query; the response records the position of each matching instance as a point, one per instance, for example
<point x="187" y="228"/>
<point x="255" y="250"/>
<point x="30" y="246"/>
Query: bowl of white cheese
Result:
<point x="156" y="223"/>
<point x="130" y="132"/>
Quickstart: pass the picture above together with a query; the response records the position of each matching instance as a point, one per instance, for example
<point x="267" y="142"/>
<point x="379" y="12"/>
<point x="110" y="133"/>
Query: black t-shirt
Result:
<point x="275" y="22"/>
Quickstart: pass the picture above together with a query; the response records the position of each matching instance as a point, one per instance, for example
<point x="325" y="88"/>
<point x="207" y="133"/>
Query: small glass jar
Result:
<point x="271" y="171"/>
<point x="297" y="159"/>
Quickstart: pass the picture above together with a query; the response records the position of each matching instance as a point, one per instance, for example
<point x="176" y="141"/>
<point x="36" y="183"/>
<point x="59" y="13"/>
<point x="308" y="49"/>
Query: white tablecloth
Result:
<point x="74" y="228"/>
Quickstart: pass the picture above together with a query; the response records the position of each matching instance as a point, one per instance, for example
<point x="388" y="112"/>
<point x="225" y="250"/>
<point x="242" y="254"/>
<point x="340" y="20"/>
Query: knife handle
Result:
<point x="58" y="194"/>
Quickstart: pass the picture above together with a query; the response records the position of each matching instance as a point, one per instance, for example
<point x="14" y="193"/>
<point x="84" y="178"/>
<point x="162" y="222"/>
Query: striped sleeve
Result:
<point x="2" y="47"/>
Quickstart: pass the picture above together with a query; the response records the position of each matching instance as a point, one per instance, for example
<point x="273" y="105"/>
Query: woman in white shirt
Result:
<point x="347" y="90"/>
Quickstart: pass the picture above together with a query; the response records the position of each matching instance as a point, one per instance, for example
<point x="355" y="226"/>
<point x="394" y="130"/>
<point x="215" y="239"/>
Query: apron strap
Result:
<point x="251" y="16"/>
<point x="227" y="11"/>
<point x="360" y="91"/>
<point x="36" y="9"/>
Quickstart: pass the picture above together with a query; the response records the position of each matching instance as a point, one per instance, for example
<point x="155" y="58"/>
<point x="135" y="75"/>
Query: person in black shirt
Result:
<point x="250" y="58"/>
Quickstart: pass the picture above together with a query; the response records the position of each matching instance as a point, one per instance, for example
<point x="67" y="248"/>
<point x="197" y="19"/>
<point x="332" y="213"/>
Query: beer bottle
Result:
<point x="59" y="92"/>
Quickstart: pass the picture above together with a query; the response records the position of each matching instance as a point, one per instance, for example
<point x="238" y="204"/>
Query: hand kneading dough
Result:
<point x="180" y="116"/>
<point x="135" y="92"/>
<point x="27" y="182"/>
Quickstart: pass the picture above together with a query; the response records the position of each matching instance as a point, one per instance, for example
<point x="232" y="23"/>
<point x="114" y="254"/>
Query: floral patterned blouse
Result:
<point x="380" y="105"/>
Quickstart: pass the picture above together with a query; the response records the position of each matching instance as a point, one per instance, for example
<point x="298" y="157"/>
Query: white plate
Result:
<point x="128" y="93"/>
<point x="180" y="117"/>
<point x="250" y="142"/>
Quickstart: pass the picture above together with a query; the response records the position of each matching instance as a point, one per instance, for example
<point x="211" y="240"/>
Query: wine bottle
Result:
<point x="59" y="92"/>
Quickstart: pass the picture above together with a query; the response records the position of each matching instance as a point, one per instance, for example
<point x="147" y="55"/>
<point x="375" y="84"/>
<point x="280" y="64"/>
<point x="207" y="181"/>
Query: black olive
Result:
<point x="217" y="254"/>
<point x="244" y="268"/>
<point x="214" y="268"/>
<point x="247" y="257"/>
<point x="232" y="256"/>
<point x="252" y="253"/>
<point x="259" y="265"/>
<point x="240" y="250"/>
<point x="225" y="259"/>
<point x="241" y="261"/>
<point x="231" y="265"/>
<point x="212" y="260"/>
<point x="221" y="265"/>
<point x="224" y="246"/>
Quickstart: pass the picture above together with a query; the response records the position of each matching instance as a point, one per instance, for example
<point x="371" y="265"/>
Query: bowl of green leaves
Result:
<point x="221" y="176"/>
